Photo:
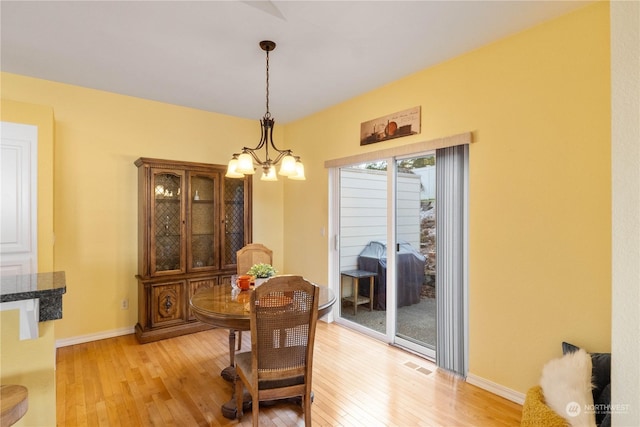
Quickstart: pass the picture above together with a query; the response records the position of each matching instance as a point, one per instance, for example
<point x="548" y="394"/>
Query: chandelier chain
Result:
<point x="268" y="114"/>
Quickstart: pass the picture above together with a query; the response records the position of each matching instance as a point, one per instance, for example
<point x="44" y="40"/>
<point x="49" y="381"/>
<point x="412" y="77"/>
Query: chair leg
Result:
<point x="306" y="403"/>
<point x="239" y="398"/>
<point x="255" y="407"/>
<point x="239" y="340"/>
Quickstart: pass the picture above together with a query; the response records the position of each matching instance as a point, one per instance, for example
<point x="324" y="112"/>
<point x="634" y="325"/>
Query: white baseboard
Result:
<point x="94" y="337"/>
<point x="500" y="390"/>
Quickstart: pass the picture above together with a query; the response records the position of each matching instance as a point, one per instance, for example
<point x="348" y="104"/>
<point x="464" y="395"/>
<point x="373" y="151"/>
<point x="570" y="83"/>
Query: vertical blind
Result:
<point x="451" y="258"/>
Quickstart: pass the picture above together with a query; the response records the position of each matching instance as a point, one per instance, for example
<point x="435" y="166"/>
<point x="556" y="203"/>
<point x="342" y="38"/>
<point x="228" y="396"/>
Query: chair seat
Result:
<point x="243" y="360"/>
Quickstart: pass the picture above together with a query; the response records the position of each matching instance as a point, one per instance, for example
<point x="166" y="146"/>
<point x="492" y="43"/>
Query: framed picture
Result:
<point x="396" y="125"/>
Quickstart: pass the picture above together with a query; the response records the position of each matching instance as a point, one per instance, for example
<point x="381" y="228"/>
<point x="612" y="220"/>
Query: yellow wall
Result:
<point x="540" y="224"/>
<point x="539" y="203"/>
<point x="98" y="136"/>
<point x="32" y="362"/>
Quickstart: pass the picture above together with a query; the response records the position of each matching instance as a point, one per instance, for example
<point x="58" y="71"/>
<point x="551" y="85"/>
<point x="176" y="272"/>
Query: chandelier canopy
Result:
<point x="242" y="164"/>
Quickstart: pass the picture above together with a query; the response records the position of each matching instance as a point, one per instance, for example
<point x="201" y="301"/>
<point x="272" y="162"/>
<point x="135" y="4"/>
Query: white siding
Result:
<point x="428" y="178"/>
<point x="363" y="211"/>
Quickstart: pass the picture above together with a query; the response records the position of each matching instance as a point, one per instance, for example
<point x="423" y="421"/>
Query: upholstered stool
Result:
<point x="14" y="403"/>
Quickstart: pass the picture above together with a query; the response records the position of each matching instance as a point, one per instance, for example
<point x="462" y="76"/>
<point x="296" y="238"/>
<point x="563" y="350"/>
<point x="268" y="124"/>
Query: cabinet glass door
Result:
<point x="167" y="222"/>
<point x="234" y="231"/>
<point x="202" y="251"/>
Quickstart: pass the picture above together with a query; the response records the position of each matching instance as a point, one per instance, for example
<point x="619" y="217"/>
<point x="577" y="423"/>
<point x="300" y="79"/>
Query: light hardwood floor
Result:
<point x="357" y="382"/>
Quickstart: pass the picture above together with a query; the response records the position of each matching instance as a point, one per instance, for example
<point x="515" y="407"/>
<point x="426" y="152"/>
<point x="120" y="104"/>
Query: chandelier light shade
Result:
<point x="288" y="167"/>
<point x="299" y="175"/>
<point x="269" y="175"/>
<point x="232" y="169"/>
<point x="245" y="162"/>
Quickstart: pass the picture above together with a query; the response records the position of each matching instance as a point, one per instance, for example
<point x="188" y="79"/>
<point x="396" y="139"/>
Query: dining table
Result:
<point x="226" y="306"/>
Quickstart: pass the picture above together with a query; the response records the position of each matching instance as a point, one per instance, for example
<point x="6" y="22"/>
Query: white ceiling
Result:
<point x="205" y="54"/>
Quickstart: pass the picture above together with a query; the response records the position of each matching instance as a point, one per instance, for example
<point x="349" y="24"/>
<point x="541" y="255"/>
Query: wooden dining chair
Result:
<point x="284" y="313"/>
<point x="246" y="257"/>
<point x="253" y="253"/>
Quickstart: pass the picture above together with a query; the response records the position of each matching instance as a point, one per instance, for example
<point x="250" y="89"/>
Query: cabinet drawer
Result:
<point x="167" y="305"/>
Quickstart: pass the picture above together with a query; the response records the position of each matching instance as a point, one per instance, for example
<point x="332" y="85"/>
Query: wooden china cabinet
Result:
<point x="191" y="221"/>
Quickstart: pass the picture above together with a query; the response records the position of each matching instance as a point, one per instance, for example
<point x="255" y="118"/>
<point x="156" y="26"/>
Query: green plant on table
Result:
<point x="262" y="271"/>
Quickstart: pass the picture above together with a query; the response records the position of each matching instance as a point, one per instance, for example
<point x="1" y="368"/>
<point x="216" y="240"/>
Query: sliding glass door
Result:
<point x="400" y="248"/>
<point x="387" y="279"/>
<point x="415" y="253"/>
<point x="363" y="228"/>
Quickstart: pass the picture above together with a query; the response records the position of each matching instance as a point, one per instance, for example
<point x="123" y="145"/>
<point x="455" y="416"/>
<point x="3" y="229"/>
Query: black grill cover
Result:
<point x="411" y="267"/>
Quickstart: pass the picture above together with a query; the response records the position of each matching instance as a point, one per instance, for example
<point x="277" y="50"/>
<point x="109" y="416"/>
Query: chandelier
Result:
<point x="242" y="164"/>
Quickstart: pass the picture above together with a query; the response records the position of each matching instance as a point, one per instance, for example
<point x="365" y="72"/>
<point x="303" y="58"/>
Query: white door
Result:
<point x="18" y="206"/>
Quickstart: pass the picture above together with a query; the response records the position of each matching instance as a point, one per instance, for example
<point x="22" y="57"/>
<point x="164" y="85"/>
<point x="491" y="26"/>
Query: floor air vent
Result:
<point x="418" y="368"/>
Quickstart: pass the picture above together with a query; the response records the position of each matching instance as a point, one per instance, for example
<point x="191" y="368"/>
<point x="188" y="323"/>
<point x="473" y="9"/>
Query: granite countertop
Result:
<point x="28" y="286"/>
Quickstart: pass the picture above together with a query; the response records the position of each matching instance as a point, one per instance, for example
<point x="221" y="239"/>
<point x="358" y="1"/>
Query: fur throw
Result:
<point x="566" y="386"/>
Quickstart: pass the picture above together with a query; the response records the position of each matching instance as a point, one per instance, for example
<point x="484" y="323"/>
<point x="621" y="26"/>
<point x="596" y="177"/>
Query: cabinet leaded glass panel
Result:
<point x="234" y="218"/>
<point x="202" y="193"/>
<point x="167" y="221"/>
